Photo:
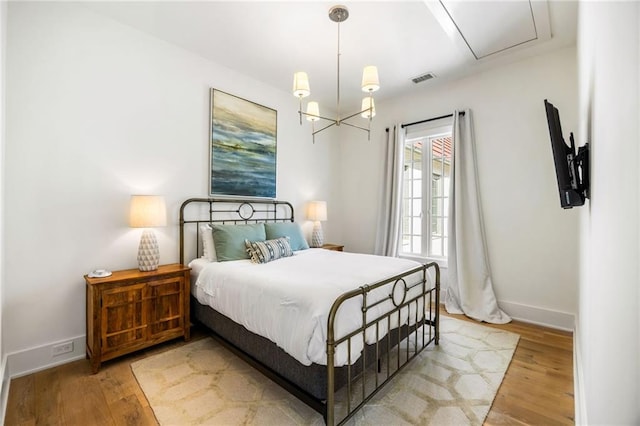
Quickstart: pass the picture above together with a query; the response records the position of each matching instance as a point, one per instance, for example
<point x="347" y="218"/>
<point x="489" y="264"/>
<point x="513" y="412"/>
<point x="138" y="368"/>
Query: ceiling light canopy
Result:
<point x="370" y="83"/>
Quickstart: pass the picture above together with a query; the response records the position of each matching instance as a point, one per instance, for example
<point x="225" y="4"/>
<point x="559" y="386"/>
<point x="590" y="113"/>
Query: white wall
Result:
<point x="97" y="111"/>
<point x="608" y="328"/>
<point x="4" y="389"/>
<point x="532" y="241"/>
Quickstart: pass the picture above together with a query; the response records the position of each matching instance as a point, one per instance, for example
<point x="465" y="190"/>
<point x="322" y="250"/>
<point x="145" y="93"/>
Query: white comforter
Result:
<point x="288" y="300"/>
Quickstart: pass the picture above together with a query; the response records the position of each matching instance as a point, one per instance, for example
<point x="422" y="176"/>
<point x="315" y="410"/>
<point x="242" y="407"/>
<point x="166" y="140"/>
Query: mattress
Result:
<point x="288" y="301"/>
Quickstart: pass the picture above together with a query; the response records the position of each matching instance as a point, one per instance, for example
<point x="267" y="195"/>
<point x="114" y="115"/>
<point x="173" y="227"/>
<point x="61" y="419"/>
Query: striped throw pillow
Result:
<point x="266" y="251"/>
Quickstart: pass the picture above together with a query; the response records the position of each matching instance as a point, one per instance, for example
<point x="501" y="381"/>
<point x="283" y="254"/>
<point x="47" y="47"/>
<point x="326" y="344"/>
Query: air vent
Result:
<point x="423" y="77"/>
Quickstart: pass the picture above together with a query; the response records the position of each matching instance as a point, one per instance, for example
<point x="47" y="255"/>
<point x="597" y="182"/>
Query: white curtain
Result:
<point x="470" y="289"/>
<point x="389" y="220"/>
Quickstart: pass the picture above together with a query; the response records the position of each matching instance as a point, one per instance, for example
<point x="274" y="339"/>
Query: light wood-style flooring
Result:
<point x="537" y="388"/>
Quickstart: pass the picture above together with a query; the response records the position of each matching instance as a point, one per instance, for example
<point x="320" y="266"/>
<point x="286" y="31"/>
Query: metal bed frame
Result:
<point x="350" y="387"/>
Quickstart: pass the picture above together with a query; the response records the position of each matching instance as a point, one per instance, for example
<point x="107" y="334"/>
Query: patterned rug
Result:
<point x="451" y="384"/>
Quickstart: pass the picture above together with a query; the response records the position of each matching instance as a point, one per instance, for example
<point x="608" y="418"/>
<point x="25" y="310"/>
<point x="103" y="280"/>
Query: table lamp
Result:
<point x="148" y="211"/>
<point x="317" y="211"/>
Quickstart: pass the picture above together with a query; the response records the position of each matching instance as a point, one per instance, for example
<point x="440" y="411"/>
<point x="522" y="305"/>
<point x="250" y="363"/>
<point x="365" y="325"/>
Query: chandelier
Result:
<point x="370" y="84"/>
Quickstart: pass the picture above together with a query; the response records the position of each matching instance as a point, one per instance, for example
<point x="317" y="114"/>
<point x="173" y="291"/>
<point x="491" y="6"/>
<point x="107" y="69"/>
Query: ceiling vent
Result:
<point x="423" y="77"/>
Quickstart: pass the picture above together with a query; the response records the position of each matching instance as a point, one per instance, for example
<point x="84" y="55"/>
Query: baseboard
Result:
<point x="40" y="358"/>
<point x="539" y="316"/>
<point x="580" y="417"/>
<point x="4" y="390"/>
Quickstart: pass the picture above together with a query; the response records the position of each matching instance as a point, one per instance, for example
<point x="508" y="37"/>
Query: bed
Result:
<point x="338" y="326"/>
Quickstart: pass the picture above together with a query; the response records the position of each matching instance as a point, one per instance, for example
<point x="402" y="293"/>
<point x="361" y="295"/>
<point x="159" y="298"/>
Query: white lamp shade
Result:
<point x="301" y="84"/>
<point x="317" y="211"/>
<point x="147" y="211"/>
<point x="313" y="111"/>
<point x="368" y="108"/>
<point x="370" y="81"/>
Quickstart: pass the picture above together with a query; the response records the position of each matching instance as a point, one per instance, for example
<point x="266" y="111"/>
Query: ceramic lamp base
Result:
<point x="148" y="251"/>
<point x="317" y="238"/>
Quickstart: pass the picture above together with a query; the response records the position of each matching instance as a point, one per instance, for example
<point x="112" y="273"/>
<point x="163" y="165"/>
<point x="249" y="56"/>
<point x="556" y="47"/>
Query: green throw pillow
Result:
<point x="286" y="229"/>
<point x="229" y="240"/>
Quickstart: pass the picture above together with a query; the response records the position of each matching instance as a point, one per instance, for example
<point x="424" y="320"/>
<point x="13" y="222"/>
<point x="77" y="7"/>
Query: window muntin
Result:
<point x="426" y="202"/>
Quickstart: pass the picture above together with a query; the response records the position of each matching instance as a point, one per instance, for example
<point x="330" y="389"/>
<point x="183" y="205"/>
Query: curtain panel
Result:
<point x="470" y="290"/>
<point x="390" y="216"/>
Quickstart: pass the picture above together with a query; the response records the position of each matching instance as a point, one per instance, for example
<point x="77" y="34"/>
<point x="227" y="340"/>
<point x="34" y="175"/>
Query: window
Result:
<point x="425" y="198"/>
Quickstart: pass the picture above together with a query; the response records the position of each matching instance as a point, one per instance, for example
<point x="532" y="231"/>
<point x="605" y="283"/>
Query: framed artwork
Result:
<point x="242" y="147"/>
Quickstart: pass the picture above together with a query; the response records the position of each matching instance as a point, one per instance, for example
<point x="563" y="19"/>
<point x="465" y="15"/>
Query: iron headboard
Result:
<point x="197" y="211"/>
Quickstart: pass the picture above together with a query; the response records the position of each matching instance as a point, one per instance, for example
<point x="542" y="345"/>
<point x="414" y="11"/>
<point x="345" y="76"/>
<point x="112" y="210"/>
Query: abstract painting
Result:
<point x="242" y="153"/>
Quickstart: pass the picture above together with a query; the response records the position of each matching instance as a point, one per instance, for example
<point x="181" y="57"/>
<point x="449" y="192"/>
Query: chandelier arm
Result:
<point x="319" y="116"/>
<point x="353" y="125"/>
<point x="325" y="127"/>
<point x="353" y="115"/>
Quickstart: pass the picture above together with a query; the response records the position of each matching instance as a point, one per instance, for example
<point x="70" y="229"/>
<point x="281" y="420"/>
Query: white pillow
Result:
<point x="208" y="248"/>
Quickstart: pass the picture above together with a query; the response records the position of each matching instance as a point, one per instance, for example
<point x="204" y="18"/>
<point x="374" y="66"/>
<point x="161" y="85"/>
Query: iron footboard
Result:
<point x="411" y="296"/>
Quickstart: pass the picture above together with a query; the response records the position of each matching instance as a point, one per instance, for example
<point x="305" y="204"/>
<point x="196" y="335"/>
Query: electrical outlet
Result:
<point x="62" y="348"/>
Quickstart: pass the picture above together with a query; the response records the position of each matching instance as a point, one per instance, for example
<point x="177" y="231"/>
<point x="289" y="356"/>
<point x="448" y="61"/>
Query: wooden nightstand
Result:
<point x="334" y="247"/>
<point x="131" y="310"/>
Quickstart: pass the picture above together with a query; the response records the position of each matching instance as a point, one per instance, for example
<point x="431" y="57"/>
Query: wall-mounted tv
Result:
<point x="572" y="168"/>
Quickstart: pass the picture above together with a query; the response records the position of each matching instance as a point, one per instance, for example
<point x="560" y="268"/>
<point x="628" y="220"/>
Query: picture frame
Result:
<point x="242" y="147"/>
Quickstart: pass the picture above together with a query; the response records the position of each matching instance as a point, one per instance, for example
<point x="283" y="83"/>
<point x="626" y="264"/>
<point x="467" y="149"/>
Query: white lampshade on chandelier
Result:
<point x="368" y="108"/>
<point x="370" y="84"/>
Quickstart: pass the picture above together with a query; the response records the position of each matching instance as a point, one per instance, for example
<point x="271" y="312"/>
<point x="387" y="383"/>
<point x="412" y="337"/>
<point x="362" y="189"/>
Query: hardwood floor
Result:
<point x="537" y="388"/>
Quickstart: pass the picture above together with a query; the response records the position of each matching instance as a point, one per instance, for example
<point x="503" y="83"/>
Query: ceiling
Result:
<point x="269" y="40"/>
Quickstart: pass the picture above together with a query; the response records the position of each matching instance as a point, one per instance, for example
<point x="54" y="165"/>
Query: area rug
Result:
<point x="202" y="383"/>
